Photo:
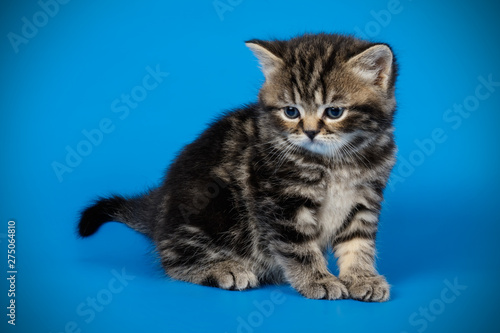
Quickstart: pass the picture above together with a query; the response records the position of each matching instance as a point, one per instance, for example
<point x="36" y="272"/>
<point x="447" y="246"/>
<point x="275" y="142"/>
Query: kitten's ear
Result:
<point x="374" y="65"/>
<point x="267" y="54"/>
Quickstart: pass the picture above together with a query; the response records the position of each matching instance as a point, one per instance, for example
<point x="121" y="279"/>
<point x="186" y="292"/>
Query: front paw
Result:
<point x="328" y="287"/>
<point x="370" y="288"/>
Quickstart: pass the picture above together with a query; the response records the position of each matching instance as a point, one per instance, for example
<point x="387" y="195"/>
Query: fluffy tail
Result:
<point x="132" y="212"/>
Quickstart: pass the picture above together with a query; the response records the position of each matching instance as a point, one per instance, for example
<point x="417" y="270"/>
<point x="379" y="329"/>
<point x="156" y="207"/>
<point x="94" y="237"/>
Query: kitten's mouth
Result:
<point x="316" y="146"/>
<point x="320" y="146"/>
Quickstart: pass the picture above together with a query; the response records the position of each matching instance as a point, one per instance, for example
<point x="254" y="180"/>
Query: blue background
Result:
<point x="440" y="219"/>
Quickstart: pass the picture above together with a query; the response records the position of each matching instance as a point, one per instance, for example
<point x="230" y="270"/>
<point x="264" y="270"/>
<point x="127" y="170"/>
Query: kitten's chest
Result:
<point x="340" y="196"/>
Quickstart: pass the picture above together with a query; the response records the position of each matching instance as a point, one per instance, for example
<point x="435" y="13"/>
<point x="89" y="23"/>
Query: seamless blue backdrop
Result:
<point x="97" y="97"/>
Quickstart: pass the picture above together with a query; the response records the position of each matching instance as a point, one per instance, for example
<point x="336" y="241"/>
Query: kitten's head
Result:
<point x="326" y="92"/>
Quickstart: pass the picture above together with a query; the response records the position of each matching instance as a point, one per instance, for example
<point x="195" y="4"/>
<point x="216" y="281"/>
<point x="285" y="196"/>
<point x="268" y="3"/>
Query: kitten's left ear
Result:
<point x="267" y="53"/>
<point x="374" y="65"/>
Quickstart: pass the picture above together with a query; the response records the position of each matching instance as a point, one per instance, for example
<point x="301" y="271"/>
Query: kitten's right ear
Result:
<point x="267" y="55"/>
<point x="376" y="65"/>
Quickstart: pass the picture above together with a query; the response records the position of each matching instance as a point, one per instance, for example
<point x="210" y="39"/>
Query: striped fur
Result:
<point x="255" y="200"/>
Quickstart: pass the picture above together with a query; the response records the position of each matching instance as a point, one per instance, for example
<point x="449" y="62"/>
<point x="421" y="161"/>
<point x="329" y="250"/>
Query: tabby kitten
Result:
<point x="267" y="189"/>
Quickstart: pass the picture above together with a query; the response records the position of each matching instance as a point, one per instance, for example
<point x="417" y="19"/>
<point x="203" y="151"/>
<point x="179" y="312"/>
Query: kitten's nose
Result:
<point x="311" y="134"/>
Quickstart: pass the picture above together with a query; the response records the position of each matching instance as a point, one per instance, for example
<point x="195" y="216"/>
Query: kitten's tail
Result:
<point x="131" y="212"/>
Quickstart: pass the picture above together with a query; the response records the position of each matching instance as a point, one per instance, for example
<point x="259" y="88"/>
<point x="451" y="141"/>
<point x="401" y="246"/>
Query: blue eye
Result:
<point x="334" y="112"/>
<point x="292" y="112"/>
